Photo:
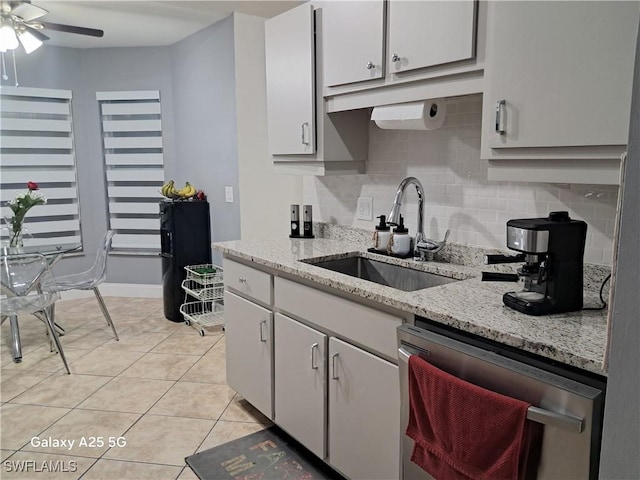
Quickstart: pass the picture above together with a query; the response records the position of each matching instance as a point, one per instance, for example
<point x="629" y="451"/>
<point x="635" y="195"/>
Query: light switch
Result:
<point x="228" y="194"/>
<point x="364" y="210"/>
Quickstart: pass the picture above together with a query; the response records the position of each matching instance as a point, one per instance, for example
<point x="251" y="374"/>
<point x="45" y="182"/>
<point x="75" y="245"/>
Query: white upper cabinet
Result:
<point x="558" y="84"/>
<point x="290" y="73"/>
<point x="429" y="33"/>
<point x="353" y="34"/>
<point x="397" y="51"/>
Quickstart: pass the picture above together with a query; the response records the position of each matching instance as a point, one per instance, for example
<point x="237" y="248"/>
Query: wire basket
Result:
<point x="204" y="314"/>
<point x="205" y="274"/>
<point x="203" y="292"/>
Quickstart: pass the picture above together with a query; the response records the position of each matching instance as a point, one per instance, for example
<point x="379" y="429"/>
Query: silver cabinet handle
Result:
<point x="395" y="58"/>
<point x="262" y="337"/>
<point x="304" y="128"/>
<point x="371" y="65"/>
<point x="333" y="366"/>
<point x="314" y="365"/>
<point x="500" y="104"/>
<point x="242" y="280"/>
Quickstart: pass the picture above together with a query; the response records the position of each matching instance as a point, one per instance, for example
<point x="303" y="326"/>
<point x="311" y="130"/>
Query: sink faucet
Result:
<point x="422" y="246"/>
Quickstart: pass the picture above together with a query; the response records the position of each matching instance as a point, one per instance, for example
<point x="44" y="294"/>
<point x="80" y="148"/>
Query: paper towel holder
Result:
<point x="422" y="115"/>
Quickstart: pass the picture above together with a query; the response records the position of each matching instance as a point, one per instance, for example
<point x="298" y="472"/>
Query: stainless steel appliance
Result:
<point x="570" y="410"/>
<point x="552" y="250"/>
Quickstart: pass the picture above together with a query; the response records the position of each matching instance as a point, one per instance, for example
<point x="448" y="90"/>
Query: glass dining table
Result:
<point x="53" y="253"/>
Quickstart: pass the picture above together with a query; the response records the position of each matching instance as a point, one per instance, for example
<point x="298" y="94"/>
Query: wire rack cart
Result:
<point x="203" y="306"/>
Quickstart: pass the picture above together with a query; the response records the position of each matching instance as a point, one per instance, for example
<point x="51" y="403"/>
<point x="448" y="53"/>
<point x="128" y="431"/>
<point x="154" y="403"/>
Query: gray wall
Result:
<point x="205" y="121"/>
<point x="195" y="78"/>
<point x="621" y="437"/>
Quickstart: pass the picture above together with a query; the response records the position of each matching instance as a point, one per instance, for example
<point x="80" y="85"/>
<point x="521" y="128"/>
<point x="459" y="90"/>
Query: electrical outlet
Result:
<point x="365" y="208"/>
<point x="228" y="194"/>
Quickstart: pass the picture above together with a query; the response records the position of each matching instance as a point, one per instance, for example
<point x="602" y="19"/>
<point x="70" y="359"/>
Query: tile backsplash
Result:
<point x="458" y="195"/>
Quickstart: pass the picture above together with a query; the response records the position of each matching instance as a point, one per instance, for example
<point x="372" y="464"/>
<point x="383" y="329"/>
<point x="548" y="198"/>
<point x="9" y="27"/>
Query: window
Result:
<point x="37" y="145"/>
<point x="134" y="168"/>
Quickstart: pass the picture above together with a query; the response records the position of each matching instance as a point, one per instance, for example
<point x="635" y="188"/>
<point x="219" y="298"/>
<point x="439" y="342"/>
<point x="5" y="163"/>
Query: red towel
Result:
<point x="462" y="431"/>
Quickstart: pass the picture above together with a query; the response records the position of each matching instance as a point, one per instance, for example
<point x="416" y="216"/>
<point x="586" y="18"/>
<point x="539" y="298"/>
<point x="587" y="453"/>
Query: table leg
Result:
<point x="15" y="338"/>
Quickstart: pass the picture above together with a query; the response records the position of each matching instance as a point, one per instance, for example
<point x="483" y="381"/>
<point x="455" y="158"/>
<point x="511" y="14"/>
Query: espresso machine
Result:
<point x="552" y="250"/>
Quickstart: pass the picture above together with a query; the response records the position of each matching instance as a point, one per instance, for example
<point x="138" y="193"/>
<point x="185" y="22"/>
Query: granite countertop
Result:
<point x="577" y="338"/>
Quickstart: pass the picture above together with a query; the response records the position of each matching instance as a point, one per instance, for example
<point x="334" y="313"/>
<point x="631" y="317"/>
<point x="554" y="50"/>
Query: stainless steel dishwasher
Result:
<point x="570" y="409"/>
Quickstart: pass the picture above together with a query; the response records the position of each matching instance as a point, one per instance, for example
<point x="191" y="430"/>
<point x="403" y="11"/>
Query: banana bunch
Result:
<point x="169" y="190"/>
<point x="188" y="191"/>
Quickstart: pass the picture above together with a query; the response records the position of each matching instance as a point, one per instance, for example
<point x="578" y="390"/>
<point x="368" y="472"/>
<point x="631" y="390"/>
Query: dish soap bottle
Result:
<point x="382" y="235"/>
<point x="400" y="242"/>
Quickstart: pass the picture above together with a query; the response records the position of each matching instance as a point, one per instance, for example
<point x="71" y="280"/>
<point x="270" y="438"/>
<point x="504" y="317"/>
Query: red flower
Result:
<point x="32" y="186"/>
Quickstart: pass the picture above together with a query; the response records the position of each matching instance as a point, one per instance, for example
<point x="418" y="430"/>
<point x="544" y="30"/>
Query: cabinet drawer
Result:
<point x="364" y="325"/>
<point x="248" y="281"/>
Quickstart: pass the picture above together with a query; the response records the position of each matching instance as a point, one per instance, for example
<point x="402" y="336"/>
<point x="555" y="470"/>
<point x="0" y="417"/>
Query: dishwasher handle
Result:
<point x="535" y="414"/>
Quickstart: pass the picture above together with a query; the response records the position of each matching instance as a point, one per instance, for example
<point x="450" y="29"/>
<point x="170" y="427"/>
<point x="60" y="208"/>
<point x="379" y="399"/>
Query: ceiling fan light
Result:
<point x="29" y="41"/>
<point x="8" y="38"/>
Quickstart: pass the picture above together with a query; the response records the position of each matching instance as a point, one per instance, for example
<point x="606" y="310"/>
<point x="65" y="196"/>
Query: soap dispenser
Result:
<point x="382" y="235"/>
<point x="400" y="243"/>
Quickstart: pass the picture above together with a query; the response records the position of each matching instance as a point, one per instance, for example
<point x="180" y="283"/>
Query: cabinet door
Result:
<point x="564" y="71"/>
<point x="290" y="74"/>
<point x="353" y="41"/>
<point x="425" y="34"/>
<point x="364" y="413"/>
<point x="300" y="382"/>
<point x="248" y="340"/>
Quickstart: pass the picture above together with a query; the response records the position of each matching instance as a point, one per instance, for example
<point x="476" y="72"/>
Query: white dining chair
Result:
<point x="90" y="279"/>
<point x="21" y="277"/>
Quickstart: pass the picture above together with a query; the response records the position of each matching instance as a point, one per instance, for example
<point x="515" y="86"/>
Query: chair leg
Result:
<point x="61" y="331"/>
<point x="105" y="312"/>
<point x="15" y="338"/>
<point x="54" y="336"/>
<point x="40" y="316"/>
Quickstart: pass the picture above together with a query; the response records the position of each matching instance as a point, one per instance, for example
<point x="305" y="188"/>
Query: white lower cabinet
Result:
<point x="248" y="337"/>
<point x="364" y="425"/>
<point x="362" y="420"/>
<point x="300" y="382"/>
<point x="297" y="362"/>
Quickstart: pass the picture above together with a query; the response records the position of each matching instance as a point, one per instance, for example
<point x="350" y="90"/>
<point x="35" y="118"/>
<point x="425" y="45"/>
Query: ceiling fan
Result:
<point x="21" y="25"/>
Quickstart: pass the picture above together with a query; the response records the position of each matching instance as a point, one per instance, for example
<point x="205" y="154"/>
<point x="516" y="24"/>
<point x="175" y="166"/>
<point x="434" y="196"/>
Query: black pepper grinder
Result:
<point x="295" y="221"/>
<point x="307" y="221"/>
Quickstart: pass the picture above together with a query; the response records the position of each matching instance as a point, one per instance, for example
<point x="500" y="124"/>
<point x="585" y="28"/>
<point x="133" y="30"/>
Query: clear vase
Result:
<point x="16" y="238"/>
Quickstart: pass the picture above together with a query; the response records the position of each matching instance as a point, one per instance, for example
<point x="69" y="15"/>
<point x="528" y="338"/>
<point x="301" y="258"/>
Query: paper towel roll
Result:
<point x="423" y="115"/>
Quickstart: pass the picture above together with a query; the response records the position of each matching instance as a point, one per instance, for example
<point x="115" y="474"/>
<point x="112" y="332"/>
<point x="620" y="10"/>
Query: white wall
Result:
<point x="264" y="195"/>
<point x="458" y="196"/>
<point x="621" y="435"/>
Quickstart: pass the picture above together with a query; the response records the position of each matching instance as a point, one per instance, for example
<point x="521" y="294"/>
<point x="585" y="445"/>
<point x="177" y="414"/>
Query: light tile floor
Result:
<point x="162" y="388"/>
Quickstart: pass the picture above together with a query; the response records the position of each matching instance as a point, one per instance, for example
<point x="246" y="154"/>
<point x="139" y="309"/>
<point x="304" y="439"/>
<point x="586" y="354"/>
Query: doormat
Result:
<point x="270" y="454"/>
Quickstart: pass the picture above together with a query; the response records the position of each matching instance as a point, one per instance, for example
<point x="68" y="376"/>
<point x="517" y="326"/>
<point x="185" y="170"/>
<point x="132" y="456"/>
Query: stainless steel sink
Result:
<point x="395" y="276"/>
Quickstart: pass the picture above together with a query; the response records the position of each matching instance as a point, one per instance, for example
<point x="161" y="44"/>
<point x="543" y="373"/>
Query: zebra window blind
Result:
<point x="134" y="168"/>
<point x="37" y="145"/>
